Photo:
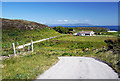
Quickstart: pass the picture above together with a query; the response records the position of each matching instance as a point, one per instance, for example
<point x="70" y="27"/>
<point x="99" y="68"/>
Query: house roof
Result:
<point x="83" y="32"/>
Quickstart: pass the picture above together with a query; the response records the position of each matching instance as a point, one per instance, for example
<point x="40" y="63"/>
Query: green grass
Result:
<point x="23" y="37"/>
<point x="86" y="38"/>
<point x="73" y="45"/>
<point x="21" y="32"/>
<point x="76" y="42"/>
<point x="32" y="65"/>
<point x="27" y="67"/>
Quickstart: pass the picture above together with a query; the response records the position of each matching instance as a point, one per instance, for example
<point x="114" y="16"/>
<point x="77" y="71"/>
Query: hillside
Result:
<point x="23" y="31"/>
<point x="21" y="24"/>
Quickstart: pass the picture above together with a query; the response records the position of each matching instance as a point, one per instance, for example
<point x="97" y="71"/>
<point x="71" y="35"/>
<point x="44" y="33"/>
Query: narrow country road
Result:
<point x="79" y="68"/>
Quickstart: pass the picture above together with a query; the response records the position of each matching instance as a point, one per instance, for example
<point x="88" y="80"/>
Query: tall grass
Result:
<point x="27" y="67"/>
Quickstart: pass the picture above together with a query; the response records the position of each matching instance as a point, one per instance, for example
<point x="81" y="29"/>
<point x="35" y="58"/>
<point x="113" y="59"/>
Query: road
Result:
<point x="79" y="68"/>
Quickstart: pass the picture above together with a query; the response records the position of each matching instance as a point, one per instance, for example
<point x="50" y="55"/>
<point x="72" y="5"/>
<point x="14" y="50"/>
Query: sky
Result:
<point x="95" y="13"/>
<point x="60" y="0"/>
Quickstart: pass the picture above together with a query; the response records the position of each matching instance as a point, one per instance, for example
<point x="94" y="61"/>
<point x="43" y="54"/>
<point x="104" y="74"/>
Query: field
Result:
<point x="22" y="37"/>
<point x="46" y="53"/>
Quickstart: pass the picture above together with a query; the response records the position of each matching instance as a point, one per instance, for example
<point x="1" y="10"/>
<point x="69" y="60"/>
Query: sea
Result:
<point x="112" y="28"/>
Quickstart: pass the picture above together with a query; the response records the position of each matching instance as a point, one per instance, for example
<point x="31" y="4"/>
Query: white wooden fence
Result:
<point x="29" y="44"/>
<point x="23" y="46"/>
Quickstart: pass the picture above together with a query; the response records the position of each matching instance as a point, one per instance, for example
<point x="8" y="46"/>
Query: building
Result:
<point x="75" y="34"/>
<point x="85" y="33"/>
<point x="111" y="31"/>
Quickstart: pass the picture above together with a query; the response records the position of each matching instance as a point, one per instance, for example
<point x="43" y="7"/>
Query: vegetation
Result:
<point x="67" y="30"/>
<point x="110" y="33"/>
<point x="22" y="31"/>
<point x="96" y="47"/>
<point x="95" y="29"/>
<point x="63" y="30"/>
<point x="114" y="46"/>
<point x="67" y="45"/>
<point x="28" y="66"/>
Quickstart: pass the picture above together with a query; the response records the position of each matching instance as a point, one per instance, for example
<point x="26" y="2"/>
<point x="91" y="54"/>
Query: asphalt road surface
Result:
<point x="79" y="68"/>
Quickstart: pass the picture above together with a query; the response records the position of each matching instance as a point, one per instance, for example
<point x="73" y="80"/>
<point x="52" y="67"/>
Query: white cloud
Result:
<point x="65" y="20"/>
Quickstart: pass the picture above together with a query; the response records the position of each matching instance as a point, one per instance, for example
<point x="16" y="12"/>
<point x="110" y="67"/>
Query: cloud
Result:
<point x="65" y="20"/>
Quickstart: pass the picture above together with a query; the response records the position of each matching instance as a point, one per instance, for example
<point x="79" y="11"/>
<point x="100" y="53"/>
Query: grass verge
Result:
<point x="27" y="67"/>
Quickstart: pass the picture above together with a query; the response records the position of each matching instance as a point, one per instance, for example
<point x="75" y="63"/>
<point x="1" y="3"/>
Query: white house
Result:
<point x="85" y="33"/>
<point x="75" y="34"/>
<point x="111" y="31"/>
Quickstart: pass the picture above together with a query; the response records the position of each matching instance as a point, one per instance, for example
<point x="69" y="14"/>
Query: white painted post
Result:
<point x="23" y="47"/>
<point x="14" y="49"/>
<point x="17" y="44"/>
<point x="32" y="45"/>
<point x="28" y="48"/>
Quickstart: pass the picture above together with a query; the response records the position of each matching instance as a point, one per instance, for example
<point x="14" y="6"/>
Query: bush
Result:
<point x="113" y="45"/>
<point x="62" y="29"/>
<point x="64" y="54"/>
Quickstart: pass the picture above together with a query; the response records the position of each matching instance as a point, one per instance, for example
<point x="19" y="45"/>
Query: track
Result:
<point x="79" y="68"/>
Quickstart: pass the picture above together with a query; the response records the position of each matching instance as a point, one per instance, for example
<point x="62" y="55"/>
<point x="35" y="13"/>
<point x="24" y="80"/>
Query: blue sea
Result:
<point x="112" y="28"/>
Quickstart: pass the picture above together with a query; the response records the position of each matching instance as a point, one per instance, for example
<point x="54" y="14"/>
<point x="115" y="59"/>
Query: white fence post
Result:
<point x="14" y="49"/>
<point x="23" y="47"/>
<point x="28" y="48"/>
<point x="17" y="44"/>
<point x="32" y="45"/>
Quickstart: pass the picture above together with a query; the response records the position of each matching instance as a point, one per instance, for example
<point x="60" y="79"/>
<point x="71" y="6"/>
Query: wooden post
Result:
<point x="17" y="44"/>
<point x="23" y="47"/>
<point x="14" y="49"/>
<point x="17" y="47"/>
<point x="32" y="45"/>
<point x="28" y="48"/>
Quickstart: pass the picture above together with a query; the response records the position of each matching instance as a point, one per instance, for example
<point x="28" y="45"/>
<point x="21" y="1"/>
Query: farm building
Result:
<point x="75" y="34"/>
<point x="85" y="33"/>
<point x="111" y="31"/>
